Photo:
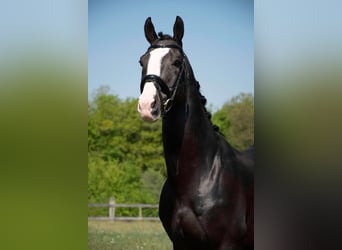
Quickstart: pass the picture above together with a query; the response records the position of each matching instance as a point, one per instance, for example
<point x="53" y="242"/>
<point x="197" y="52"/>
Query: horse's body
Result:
<point x="207" y="199"/>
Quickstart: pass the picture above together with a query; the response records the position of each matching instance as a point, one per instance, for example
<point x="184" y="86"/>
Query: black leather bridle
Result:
<point x="161" y="85"/>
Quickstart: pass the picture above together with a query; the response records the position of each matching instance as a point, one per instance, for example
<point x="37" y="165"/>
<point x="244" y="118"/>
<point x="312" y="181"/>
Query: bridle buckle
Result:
<point x="168" y="105"/>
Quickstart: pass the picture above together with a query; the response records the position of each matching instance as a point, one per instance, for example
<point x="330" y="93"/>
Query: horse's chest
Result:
<point x="194" y="223"/>
<point x="200" y="211"/>
<point x="186" y="224"/>
<point x="197" y="199"/>
<point x="202" y="190"/>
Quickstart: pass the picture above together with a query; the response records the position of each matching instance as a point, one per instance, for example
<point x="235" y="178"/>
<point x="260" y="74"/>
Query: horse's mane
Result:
<point x="202" y="98"/>
<point x="204" y="102"/>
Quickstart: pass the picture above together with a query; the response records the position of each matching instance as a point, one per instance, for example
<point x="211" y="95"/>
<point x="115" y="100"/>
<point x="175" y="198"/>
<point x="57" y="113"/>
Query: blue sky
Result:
<point x="218" y="40"/>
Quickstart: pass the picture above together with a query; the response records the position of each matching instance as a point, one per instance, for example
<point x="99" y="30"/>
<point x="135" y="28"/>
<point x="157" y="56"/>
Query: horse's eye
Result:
<point x="177" y="63"/>
<point x="140" y="63"/>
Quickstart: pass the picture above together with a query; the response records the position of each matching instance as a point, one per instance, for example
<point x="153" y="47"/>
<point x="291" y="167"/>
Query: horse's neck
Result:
<point x="173" y="132"/>
<point x="185" y="128"/>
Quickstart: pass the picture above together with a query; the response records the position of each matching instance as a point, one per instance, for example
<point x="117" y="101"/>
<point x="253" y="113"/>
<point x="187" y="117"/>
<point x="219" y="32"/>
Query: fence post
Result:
<point x="111" y="208"/>
<point x="140" y="213"/>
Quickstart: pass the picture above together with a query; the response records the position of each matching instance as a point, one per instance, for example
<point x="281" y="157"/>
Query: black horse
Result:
<point x="207" y="199"/>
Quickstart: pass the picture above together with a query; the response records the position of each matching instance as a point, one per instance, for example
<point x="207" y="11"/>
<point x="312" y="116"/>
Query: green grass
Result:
<point x="118" y="235"/>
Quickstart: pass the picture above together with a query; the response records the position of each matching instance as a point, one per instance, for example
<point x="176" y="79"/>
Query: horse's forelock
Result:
<point x="163" y="36"/>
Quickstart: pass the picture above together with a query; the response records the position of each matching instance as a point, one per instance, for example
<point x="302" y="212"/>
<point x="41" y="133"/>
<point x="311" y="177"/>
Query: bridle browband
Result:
<point x="161" y="85"/>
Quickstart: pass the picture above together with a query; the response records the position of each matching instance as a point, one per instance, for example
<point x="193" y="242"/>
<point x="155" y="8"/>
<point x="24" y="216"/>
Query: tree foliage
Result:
<point x="236" y="120"/>
<point x="124" y="153"/>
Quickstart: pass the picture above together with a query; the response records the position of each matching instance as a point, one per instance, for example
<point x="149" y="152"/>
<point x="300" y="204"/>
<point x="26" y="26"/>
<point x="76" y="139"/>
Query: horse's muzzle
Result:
<point x="149" y="105"/>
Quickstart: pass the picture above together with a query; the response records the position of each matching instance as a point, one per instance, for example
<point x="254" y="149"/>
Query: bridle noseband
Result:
<point x="161" y="85"/>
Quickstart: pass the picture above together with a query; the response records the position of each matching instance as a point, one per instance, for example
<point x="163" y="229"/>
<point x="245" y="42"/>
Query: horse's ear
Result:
<point x="178" y="30"/>
<point x="150" y="33"/>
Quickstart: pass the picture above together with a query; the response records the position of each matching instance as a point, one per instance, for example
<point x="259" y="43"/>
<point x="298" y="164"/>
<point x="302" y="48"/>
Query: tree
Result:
<point x="236" y="120"/>
<point x="124" y="153"/>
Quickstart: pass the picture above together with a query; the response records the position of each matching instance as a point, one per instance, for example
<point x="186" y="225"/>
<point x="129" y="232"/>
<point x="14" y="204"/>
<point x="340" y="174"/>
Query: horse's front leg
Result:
<point x="166" y="207"/>
<point x="178" y="247"/>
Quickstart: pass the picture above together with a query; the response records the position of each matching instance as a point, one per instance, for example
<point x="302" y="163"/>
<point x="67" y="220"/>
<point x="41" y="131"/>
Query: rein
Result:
<point x="161" y="85"/>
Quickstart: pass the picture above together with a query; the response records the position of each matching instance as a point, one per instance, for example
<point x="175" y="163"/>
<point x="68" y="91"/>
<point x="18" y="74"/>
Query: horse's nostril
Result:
<point x="139" y="108"/>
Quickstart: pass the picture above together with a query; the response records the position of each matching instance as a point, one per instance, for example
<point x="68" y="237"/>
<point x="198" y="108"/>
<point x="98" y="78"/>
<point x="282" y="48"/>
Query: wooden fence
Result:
<point x="111" y="211"/>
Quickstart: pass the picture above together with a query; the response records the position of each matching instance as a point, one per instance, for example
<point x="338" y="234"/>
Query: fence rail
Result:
<point x="111" y="211"/>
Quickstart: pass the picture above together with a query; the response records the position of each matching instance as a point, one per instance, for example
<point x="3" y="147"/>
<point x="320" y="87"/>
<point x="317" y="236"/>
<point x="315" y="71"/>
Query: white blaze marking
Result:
<point x="147" y="96"/>
<point x="155" y="60"/>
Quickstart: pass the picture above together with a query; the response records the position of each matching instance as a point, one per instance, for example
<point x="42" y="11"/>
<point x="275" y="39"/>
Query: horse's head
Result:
<point x="162" y="71"/>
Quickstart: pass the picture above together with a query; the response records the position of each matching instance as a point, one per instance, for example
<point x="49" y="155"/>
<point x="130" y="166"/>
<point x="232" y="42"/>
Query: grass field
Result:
<point x="119" y="235"/>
